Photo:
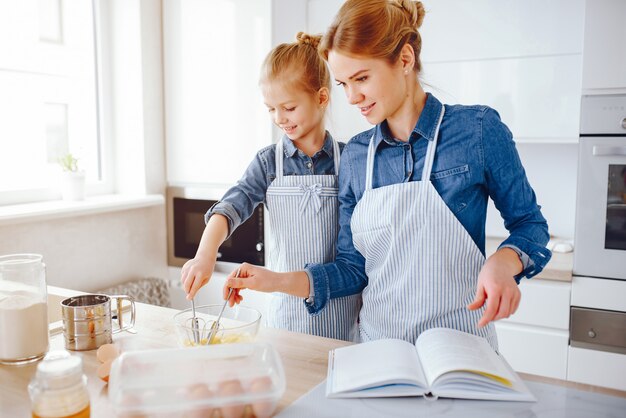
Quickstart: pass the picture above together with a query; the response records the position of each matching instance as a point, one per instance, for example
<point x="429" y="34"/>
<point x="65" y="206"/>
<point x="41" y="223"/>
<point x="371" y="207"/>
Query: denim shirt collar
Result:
<point x="290" y="149"/>
<point x="425" y="126"/>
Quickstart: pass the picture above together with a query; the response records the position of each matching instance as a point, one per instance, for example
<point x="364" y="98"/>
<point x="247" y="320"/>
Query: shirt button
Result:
<point x="309" y="164"/>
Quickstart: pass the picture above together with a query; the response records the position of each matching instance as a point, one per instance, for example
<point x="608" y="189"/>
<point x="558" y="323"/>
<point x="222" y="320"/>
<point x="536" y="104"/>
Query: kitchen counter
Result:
<point x="305" y="360"/>
<point x="559" y="267"/>
<point x="305" y="357"/>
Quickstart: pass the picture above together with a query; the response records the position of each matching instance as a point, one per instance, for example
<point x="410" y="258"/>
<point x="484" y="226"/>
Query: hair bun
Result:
<point x="306" y="39"/>
<point x="414" y="9"/>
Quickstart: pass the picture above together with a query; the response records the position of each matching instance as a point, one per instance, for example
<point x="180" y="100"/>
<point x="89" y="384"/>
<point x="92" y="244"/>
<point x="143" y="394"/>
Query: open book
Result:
<point x="442" y="363"/>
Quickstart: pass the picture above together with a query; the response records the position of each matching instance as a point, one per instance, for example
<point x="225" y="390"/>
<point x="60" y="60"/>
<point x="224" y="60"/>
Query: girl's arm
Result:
<point x="235" y="207"/>
<point x="197" y="271"/>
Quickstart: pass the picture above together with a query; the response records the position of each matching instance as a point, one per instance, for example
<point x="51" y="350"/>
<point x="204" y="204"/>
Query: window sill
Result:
<point x="41" y="211"/>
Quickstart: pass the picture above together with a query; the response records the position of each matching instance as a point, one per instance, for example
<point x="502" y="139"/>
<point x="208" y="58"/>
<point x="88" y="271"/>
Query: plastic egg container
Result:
<point x="229" y="381"/>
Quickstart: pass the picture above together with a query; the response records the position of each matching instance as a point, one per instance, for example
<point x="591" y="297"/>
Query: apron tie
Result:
<point x="311" y="194"/>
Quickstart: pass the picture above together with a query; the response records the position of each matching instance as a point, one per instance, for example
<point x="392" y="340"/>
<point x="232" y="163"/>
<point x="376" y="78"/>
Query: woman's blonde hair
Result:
<point x="297" y="64"/>
<point x="376" y="28"/>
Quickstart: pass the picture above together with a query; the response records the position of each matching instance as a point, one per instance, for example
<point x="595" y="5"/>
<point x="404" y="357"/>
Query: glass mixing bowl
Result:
<point x="238" y="324"/>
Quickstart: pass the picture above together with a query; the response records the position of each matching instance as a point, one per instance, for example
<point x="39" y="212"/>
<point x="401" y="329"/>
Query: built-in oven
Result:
<point x="186" y="207"/>
<point x="597" y="350"/>
<point x="601" y="198"/>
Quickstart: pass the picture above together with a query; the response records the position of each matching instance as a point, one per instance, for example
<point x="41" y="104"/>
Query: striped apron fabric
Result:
<point x="304" y="223"/>
<point x="421" y="263"/>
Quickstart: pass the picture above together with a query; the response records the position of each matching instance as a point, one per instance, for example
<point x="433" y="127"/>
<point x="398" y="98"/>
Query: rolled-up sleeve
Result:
<point x="239" y="202"/>
<point x="346" y="275"/>
<point x="513" y="196"/>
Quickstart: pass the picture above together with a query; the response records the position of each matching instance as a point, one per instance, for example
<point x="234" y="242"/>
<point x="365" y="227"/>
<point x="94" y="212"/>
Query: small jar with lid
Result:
<point x="59" y="388"/>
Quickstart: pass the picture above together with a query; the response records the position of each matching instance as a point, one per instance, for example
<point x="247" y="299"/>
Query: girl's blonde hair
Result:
<point x="376" y="28"/>
<point x="297" y="64"/>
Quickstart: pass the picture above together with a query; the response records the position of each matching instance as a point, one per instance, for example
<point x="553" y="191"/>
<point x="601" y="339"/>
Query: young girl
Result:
<point x="413" y="194"/>
<point x="297" y="181"/>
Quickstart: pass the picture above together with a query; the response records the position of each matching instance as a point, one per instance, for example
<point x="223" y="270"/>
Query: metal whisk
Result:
<point x="197" y="325"/>
<point x="215" y="326"/>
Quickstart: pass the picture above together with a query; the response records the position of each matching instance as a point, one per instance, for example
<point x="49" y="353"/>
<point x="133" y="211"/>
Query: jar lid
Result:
<point x="59" y="369"/>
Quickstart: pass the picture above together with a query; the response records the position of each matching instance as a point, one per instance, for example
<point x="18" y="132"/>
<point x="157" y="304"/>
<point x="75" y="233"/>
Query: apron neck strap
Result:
<point x="428" y="161"/>
<point x="430" y="151"/>
<point x="280" y="155"/>
<point x="279" y="158"/>
<point x="336" y="156"/>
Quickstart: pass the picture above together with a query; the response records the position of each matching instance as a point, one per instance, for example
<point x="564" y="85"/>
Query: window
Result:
<point x="48" y="96"/>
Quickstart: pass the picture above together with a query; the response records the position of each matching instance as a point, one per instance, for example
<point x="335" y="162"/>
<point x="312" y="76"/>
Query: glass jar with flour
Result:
<point x="23" y="309"/>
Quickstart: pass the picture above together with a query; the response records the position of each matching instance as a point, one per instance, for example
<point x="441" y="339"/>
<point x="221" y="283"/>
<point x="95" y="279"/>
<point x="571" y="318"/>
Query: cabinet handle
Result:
<point x="599" y="151"/>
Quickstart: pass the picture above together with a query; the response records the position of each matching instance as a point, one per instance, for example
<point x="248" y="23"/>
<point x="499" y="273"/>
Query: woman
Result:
<point x="413" y="194"/>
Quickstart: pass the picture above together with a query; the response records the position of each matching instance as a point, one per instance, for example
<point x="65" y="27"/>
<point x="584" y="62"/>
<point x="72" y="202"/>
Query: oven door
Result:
<point x="601" y="208"/>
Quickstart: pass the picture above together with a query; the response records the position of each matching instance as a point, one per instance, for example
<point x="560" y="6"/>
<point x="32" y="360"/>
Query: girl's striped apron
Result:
<point x="421" y="263"/>
<point x="304" y="223"/>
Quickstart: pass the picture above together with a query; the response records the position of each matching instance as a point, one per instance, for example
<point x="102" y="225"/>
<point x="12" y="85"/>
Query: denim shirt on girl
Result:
<point x="239" y="202"/>
<point x="475" y="159"/>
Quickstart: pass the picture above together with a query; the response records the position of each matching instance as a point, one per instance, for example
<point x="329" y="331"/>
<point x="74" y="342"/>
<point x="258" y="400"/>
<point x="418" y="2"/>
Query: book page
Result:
<point x="443" y="350"/>
<point x="374" y="364"/>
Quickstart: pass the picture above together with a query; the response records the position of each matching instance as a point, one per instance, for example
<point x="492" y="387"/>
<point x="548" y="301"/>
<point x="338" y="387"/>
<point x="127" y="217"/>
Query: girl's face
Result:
<point x="298" y="113"/>
<point x="376" y="87"/>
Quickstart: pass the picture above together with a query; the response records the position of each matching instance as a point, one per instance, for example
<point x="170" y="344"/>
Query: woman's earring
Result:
<point x="406" y="72"/>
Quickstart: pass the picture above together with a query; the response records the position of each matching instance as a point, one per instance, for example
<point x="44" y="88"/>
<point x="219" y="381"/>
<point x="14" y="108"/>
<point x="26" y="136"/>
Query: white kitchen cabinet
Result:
<point x="537" y="98"/>
<point x="595" y="367"/>
<point x="535" y="339"/>
<point x="536" y="350"/>
<point x="500" y="53"/>
<point x="604" y="59"/>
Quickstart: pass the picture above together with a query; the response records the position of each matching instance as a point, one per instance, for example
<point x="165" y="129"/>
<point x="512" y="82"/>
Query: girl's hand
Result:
<point x="195" y="274"/>
<point x="497" y="286"/>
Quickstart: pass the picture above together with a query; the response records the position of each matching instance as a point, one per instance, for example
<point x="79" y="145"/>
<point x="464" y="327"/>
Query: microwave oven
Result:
<point x="186" y="207"/>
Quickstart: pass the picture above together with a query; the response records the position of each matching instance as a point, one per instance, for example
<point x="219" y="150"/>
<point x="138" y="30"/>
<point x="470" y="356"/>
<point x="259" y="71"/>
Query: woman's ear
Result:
<point x="323" y="95"/>
<point x="407" y="58"/>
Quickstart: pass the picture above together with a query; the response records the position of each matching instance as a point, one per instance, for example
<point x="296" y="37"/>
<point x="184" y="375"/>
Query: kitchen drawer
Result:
<point x="544" y="303"/>
<point x="607" y="294"/>
<point x="598" y="330"/>
<point x="534" y="350"/>
<point x="597" y="368"/>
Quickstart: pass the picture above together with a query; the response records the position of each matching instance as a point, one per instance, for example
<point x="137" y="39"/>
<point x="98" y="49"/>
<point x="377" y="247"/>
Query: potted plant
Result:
<point x="72" y="178"/>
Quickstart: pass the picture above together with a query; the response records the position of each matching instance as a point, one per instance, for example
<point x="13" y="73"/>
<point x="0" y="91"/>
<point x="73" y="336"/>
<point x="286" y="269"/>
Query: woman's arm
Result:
<point x="513" y="196"/>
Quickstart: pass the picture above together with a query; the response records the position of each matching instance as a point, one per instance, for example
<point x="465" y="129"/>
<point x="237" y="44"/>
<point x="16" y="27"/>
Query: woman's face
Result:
<point x="298" y="113"/>
<point x="376" y="87"/>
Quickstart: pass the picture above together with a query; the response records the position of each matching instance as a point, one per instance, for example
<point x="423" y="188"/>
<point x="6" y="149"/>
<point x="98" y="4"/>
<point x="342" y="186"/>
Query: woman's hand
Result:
<point x="264" y="280"/>
<point x="497" y="286"/>
<point x="195" y="274"/>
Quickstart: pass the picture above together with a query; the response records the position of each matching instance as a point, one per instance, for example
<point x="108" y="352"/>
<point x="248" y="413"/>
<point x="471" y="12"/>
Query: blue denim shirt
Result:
<point x="239" y="202"/>
<point x="475" y="159"/>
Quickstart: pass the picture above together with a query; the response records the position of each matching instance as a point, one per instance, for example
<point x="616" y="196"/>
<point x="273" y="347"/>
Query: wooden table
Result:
<point x="305" y="360"/>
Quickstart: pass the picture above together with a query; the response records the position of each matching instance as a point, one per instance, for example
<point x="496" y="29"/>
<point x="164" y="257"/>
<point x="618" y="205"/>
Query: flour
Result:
<point x="23" y="326"/>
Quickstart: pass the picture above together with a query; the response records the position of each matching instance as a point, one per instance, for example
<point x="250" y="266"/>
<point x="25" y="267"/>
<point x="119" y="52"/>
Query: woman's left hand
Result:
<point x="497" y="286"/>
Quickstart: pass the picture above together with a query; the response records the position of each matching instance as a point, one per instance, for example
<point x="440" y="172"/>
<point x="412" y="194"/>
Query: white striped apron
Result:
<point x="304" y="223"/>
<point x="422" y="265"/>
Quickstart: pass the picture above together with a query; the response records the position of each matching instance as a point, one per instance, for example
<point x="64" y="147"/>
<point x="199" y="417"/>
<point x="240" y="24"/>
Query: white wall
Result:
<point x="93" y="252"/>
<point x="527" y="65"/>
